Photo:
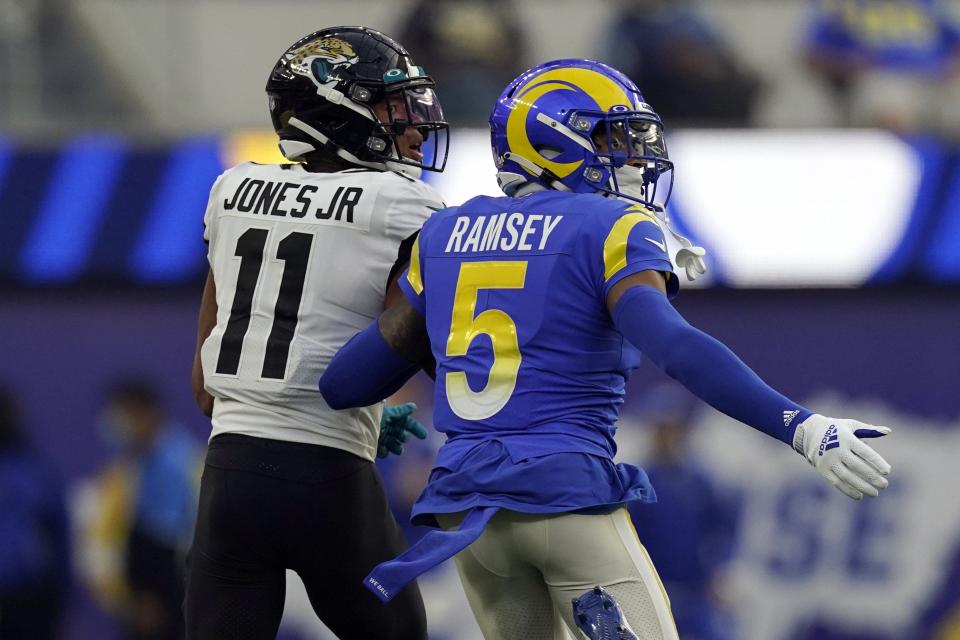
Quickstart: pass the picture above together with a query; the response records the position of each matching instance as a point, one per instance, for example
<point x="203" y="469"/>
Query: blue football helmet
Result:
<point x="581" y="126"/>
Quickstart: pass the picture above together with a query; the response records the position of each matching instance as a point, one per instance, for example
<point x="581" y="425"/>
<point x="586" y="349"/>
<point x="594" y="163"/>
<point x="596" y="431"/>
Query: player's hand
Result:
<point x="396" y="425"/>
<point x="690" y="259"/>
<point x="834" y="447"/>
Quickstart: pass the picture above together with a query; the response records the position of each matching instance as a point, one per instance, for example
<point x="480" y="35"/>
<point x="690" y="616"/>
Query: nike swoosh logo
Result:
<point x="659" y="244"/>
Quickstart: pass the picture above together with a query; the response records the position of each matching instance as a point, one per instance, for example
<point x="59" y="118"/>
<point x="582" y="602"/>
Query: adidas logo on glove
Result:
<point x="854" y="468"/>
<point x="830" y="439"/>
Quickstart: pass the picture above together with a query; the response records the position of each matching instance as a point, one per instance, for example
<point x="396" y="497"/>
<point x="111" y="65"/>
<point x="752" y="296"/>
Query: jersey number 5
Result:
<point x="294" y="250"/>
<point x="500" y="327"/>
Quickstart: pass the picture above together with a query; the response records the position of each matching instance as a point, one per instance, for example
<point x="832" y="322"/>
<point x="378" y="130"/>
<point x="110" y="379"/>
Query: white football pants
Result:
<point x="526" y="568"/>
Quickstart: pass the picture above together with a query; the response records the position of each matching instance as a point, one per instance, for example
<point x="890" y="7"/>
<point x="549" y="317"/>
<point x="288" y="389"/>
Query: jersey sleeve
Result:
<point x="411" y="206"/>
<point x="629" y="241"/>
<point x="411" y="282"/>
<point x="210" y="215"/>
<point x="412" y="203"/>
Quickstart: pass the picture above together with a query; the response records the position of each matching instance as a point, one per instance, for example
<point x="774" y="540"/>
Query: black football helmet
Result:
<point x="323" y="91"/>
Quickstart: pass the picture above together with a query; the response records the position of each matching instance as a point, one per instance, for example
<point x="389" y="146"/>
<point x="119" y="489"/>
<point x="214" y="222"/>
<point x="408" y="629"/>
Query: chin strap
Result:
<point x="295" y="150"/>
<point x="333" y="96"/>
<point x="511" y="181"/>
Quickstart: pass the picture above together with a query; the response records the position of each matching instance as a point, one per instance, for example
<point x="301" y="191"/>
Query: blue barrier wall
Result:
<point x="100" y="209"/>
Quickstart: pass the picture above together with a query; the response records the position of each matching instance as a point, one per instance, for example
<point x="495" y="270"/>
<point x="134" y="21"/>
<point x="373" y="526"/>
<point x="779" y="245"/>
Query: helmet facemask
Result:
<point x="410" y="122"/>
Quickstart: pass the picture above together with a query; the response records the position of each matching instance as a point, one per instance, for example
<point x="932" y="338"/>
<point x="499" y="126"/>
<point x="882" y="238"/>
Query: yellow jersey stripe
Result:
<point x="615" y="245"/>
<point x="413" y="271"/>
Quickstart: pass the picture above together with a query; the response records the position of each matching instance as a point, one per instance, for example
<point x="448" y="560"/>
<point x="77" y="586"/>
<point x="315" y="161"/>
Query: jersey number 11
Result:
<point x="294" y="250"/>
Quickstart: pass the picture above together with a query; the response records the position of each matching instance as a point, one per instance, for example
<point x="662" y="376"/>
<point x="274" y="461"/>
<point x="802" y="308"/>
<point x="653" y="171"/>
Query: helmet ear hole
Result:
<point x="548" y="151"/>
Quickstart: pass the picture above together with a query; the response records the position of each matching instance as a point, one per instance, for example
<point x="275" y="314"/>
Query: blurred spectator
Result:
<point x="147" y="506"/>
<point x="34" y="536"/>
<point x="42" y="45"/>
<point x="683" y="67"/>
<point x="472" y="48"/>
<point x="891" y="63"/>
<point x="690" y="531"/>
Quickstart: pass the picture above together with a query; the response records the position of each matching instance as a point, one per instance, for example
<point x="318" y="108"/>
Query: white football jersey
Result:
<point x="300" y="261"/>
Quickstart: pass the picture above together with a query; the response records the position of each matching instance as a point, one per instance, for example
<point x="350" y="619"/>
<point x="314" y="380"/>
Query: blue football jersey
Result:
<point x="514" y="294"/>
<point x="530" y="368"/>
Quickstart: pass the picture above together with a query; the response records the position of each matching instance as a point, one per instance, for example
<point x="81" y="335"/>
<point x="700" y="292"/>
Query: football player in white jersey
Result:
<point x="303" y="256"/>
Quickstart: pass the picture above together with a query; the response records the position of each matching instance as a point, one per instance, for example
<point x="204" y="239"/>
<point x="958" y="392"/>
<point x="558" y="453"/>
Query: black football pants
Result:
<point x="266" y="506"/>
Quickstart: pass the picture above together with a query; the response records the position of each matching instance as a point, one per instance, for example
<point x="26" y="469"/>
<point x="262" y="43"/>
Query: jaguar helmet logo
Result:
<point x="318" y="59"/>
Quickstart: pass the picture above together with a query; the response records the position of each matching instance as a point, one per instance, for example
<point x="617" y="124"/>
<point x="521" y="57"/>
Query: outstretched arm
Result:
<point x="376" y="362"/>
<point x="704" y="365"/>
<point x="701" y="363"/>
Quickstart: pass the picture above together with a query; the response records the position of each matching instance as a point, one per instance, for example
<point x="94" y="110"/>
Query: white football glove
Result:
<point x="835" y="449"/>
<point x="690" y="259"/>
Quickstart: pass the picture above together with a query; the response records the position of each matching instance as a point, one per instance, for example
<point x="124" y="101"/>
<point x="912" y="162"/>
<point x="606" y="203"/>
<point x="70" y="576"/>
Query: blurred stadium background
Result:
<point x="818" y="160"/>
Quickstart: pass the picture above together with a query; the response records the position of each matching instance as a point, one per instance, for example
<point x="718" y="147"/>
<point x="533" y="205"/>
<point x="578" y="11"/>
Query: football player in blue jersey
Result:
<point x="536" y="307"/>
